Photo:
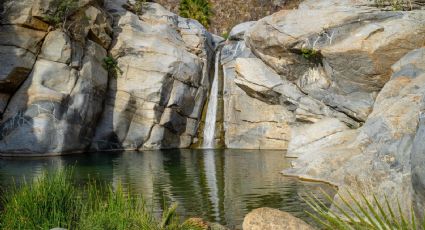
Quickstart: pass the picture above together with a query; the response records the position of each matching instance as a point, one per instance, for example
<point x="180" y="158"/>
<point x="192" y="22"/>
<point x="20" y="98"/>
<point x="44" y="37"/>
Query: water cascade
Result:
<point x="211" y="117"/>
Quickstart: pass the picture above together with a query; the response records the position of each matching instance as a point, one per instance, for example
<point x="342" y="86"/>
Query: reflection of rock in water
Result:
<point x="217" y="185"/>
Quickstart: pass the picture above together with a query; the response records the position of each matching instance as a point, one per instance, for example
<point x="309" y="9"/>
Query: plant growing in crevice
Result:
<point x="225" y="35"/>
<point x="199" y="10"/>
<point x="311" y="54"/>
<point x="61" y="10"/>
<point x="111" y="65"/>
<point x="138" y="6"/>
<point x="362" y="214"/>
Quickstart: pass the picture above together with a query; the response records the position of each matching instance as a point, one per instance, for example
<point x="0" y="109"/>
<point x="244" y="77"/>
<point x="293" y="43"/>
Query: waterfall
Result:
<point x="210" y="119"/>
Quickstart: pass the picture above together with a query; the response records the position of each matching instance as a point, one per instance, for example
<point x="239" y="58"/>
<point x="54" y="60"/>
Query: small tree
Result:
<point x="199" y="10"/>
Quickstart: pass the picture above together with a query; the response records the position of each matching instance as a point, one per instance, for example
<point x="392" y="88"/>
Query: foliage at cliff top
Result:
<point x="199" y="10"/>
<point x="61" y="9"/>
<point x="54" y="201"/>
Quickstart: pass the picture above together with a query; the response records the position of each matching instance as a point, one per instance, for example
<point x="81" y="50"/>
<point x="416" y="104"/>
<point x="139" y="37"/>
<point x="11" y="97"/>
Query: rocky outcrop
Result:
<point x="272" y="219"/>
<point x="53" y="82"/>
<point x="157" y="100"/>
<point x="386" y="153"/>
<point x="340" y="87"/>
<point x="56" y="96"/>
<point x="340" y="55"/>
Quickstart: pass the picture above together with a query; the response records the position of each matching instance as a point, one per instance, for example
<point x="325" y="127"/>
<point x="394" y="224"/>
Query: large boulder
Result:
<point x="261" y="107"/>
<point x="339" y="54"/>
<point x="156" y="100"/>
<point x="385" y="156"/>
<point x="272" y="219"/>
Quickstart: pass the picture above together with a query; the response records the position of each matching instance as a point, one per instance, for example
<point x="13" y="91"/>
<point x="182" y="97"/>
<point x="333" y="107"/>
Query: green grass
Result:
<point x="199" y="10"/>
<point x="54" y="201"/>
<point x="361" y="213"/>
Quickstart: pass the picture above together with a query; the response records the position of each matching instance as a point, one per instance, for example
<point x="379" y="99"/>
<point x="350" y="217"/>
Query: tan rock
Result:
<point x="339" y="54"/>
<point x="272" y="219"/>
<point x="57" y="47"/>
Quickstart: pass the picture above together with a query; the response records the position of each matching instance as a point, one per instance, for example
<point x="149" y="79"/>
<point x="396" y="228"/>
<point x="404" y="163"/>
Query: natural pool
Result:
<point x="218" y="185"/>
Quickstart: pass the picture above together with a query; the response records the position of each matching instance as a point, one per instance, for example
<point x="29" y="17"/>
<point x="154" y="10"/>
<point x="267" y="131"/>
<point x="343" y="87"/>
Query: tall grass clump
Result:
<point x="361" y="213"/>
<point x="116" y="211"/>
<point x="53" y="200"/>
<point x="48" y="202"/>
<point x="199" y="10"/>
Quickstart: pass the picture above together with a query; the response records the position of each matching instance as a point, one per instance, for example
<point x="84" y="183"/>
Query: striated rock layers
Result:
<point x="55" y="93"/>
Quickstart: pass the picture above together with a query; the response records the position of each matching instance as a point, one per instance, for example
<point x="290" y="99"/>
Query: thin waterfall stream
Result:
<point x="211" y="117"/>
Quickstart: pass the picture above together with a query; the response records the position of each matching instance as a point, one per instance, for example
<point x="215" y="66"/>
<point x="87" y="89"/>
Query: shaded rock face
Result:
<point x="272" y="219"/>
<point x="157" y="100"/>
<point x="56" y="96"/>
<point x="52" y="82"/>
<point x="386" y="155"/>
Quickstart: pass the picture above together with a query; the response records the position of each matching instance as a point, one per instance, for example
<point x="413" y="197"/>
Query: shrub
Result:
<point x="138" y="6"/>
<point x="363" y="214"/>
<point x="111" y="65"/>
<point x="199" y="10"/>
<point x="61" y="10"/>
<point x="311" y="55"/>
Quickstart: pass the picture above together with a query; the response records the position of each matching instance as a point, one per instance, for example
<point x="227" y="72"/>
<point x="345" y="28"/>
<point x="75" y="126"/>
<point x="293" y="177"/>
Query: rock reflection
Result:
<point x="218" y="185"/>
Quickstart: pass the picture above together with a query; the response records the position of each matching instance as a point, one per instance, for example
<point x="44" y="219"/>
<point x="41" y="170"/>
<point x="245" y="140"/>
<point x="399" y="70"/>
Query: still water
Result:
<point x="218" y="185"/>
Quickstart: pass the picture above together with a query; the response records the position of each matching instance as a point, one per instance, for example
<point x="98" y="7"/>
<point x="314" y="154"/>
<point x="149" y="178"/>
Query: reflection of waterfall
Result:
<point x="209" y="129"/>
<point x="211" y="176"/>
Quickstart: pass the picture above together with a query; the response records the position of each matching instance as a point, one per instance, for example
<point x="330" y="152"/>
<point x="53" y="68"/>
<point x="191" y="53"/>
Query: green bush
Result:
<point x="363" y="214"/>
<point x="53" y="201"/>
<point x="199" y="10"/>
<point x="111" y="65"/>
<point x="61" y="10"/>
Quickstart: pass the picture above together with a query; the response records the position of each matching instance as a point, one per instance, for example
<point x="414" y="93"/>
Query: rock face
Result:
<point x="338" y="85"/>
<point x="55" y="93"/>
<point x="340" y="55"/>
<point x="52" y="85"/>
<point x="272" y="219"/>
<point x="157" y="99"/>
<point x="386" y="154"/>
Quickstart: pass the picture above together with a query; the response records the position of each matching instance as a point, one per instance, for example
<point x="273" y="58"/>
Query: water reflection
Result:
<point x="219" y="185"/>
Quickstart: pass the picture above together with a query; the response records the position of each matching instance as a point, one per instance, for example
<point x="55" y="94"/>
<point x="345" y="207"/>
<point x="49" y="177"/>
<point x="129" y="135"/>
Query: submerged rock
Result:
<point x="272" y="219"/>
